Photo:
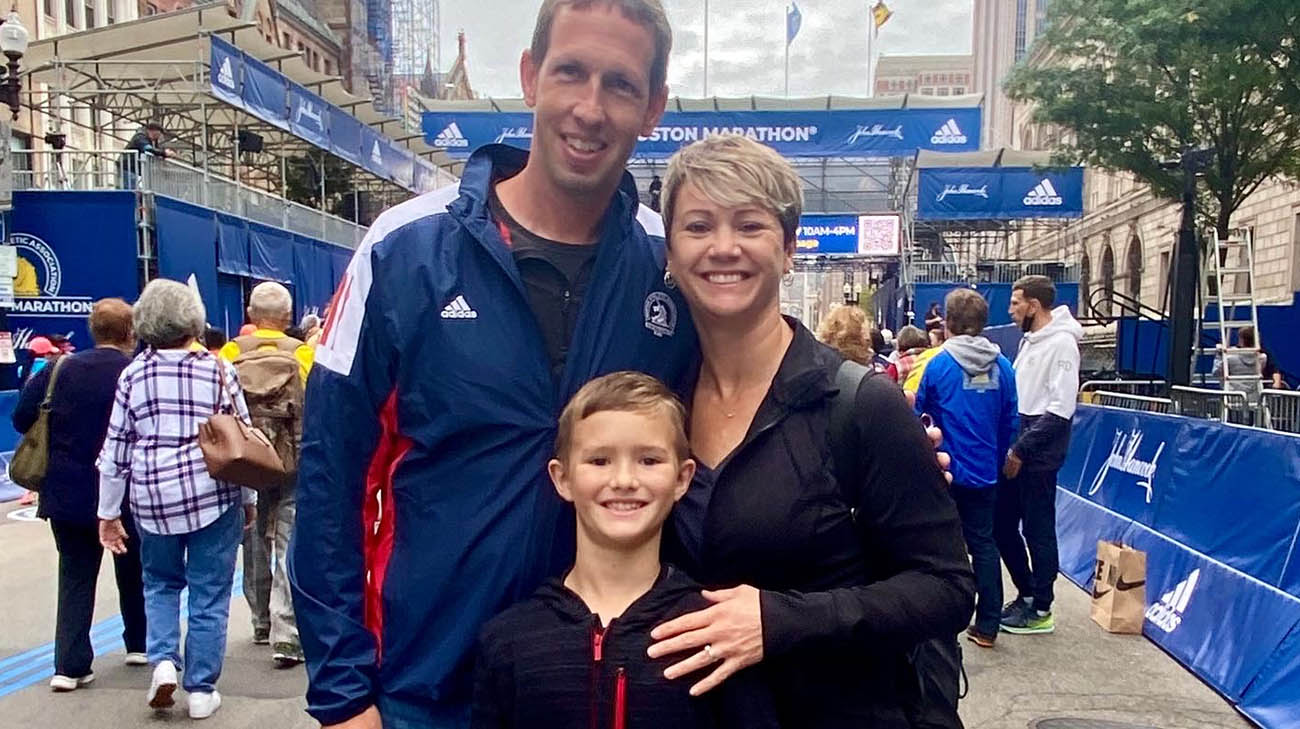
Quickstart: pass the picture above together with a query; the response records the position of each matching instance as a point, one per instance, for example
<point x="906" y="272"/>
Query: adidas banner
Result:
<point x="838" y="133"/>
<point x="999" y="193"/>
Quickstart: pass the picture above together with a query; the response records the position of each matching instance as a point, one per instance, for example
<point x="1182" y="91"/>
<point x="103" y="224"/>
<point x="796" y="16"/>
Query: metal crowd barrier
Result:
<point x="1128" y="401"/>
<point x="1226" y="406"/>
<point x="1148" y="388"/>
<point x="1283" y="409"/>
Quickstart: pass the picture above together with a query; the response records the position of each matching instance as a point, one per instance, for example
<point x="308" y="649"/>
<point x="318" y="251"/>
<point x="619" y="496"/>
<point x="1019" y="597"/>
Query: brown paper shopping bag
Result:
<point x="1119" y="594"/>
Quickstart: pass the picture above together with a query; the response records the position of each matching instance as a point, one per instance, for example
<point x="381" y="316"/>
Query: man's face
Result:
<point x="592" y="98"/>
<point x="153" y="134"/>
<point x="1022" y="309"/>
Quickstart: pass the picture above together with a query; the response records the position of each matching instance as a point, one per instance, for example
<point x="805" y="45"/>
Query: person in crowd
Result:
<point x="79" y="408"/>
<point x="147" y="141"/>
<point x="213" y="339"/>
<point x="1245" y="367"/>
<point x="559" y="659"/>
<point x="827" y="583"/>
<point x="311" y="327"/>
<point x="43" y="353"/>
<point x="933" y="318"/>
<point x="845" y="329"/>
<point x="969" y="389"/>
<point x="914" y="351"/>
<point x="247" y="329"/>
<point x="189" y="523"/>
<point x="273" y="368"/>
<point x="936" y="337"/>
<point x="1047" y="387"/>
<point x="880" y="350"/>
<point x="426" y="440"/>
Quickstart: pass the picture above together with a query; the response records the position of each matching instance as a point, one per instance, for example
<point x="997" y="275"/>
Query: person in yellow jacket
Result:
<point x="270" y="310"/>
<point x="913" y="354"/>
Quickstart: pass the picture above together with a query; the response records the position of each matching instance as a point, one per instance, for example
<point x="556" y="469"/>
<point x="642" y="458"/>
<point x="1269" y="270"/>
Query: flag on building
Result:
<point x="793" y="21"/>
<point x="880" y="13"/>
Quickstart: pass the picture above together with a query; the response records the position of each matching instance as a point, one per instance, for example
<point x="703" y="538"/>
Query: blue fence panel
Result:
<point x="230" y="315"/>
<point x="232" y="245"/>
<point x="187" y="242"/>
<point x="270" y="252"/>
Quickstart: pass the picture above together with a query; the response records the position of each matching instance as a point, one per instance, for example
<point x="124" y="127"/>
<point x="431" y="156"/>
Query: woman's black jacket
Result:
<point x="852" y="575"/>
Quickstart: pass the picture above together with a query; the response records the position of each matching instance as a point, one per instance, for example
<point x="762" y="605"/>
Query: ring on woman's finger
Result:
<point x="708" y="651"/>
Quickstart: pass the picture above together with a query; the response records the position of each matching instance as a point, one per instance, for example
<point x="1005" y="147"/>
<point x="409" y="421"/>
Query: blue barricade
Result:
<point x="1217" y="510"/>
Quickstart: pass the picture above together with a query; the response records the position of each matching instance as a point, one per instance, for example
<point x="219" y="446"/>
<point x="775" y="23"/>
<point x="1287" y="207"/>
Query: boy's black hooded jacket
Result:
<point x="547" y="663"/>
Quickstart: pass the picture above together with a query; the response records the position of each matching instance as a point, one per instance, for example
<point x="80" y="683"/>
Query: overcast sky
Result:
<point x="746" y="43"/>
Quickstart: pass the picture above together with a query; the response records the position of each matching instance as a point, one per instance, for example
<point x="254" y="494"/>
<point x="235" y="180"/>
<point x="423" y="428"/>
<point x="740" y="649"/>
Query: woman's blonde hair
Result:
<point x="845" y="329"/>
<point x="732" y="171"/>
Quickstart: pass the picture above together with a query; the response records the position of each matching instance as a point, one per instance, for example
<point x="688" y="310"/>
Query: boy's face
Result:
<point x="622" y="475"/>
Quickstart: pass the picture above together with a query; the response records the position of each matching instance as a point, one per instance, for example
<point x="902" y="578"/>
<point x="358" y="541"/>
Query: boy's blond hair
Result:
<point x="622" y="392"/>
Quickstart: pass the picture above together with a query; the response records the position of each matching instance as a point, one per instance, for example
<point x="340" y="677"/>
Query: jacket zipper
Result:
<point x="597" y="654"/>
<point x="620" y="699"/>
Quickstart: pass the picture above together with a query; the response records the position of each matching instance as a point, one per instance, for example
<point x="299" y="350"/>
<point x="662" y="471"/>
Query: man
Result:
<point x="1047" y="384"/>
<point x="466" y="319"/>
<point x="272" y="371"/>
<point x="969" y="389"/>
<point x="147" y="141"/>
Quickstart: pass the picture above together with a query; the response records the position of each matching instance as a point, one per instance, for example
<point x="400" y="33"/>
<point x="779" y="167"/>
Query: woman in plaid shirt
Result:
<point x="189" y="523"/>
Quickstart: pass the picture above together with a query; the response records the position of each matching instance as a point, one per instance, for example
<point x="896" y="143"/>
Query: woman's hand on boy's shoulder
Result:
<point x="728" y="634"/>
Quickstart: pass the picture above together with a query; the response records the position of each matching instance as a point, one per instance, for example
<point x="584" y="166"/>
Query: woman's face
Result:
<point x="728" y="262"/>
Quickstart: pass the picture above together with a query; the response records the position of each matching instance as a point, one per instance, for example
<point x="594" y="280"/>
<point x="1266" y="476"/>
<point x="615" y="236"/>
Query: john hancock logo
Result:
<point x="1124" y="458"/>
<point x="39" y="280"/>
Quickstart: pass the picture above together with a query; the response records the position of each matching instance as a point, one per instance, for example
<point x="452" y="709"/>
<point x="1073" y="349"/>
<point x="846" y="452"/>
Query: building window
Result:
<point x="70" y="8"/>
<point x="958" y="90"/>
<point x="1022" y="22"/>
<point x="1040" y="17"/>
<point x="49" y="8"/>
<point x="927" y="91"/>
<point x="90" y="13"/>
<point x="288" y="43"/>
<point x="1085" y="286"/>
<point x="328" y="70"/>
<point x="110" y="11"/>
<point x="1107" y="281"/>
<point x="1135" y="267"/>
<point x="150" y="9"/>
<point x="1164" y="280"/>
<point x="942" y="91"/>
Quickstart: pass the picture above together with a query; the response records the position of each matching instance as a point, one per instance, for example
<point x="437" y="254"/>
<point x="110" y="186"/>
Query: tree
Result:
<point x="302" y="183"/>
<point x="1137" y="82"/>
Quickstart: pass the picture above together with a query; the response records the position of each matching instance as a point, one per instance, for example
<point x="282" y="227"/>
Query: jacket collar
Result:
<point x="807" y="372"/>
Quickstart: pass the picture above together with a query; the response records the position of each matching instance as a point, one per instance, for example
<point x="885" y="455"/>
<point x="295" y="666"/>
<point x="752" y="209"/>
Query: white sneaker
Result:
<point x="68" y="683"/>
<point x="136" y="659"/>
<point x="202" y="705"/>
<point x="162" y="686"/>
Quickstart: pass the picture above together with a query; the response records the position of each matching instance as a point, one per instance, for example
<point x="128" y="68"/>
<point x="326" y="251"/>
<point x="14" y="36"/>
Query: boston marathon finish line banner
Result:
<point x="999" y="193"/>
<point x="829" y="133"/>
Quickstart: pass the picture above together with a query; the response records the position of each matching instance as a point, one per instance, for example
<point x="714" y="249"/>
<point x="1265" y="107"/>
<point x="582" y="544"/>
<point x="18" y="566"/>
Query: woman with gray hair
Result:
<point x="189" y="523"/>
<point x="831" y="560"/>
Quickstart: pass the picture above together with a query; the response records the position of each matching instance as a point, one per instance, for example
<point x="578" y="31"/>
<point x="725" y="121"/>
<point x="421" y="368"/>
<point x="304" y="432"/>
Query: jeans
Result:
<point x="1027" y="503"/>
<point x="976" y="507"/>
<point x="266" y="576"/>
<point x="80" y="555"/>
<point x="203" y="561"/>
<point x="399" y="714"/>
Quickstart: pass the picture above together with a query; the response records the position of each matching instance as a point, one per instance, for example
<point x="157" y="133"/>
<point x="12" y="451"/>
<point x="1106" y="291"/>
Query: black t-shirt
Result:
<point x="556" y="277"/>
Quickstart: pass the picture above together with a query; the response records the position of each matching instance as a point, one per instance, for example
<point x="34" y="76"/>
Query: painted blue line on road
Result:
<point x="107" y="626"/>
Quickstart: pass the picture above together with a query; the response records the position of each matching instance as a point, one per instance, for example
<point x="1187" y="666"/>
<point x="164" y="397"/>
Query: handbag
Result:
<point x="935" y="666"/>
<point x="31" y="458"/>
<point x="236" y="452"/>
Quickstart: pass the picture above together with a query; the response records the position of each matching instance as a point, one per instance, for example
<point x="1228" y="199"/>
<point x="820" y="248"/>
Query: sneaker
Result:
<point x="136" y="659"/>
<point x="62" y="683"/>
<point x="163" y="686"/>
<point x="1030" y="622"/>
<point x="203" y="705"/>
<point x="1015" y="607"/>
<point x="982" y="640"/>
<point x="287" y="655"/>
<point x="261" y="636"/>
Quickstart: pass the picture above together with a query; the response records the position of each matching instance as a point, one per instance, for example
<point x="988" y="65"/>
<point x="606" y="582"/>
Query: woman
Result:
<point x="845" y="330"/>
<point x="79" y="408"/>
<point x="828" y="585"/>
<point x="189" y="523"/>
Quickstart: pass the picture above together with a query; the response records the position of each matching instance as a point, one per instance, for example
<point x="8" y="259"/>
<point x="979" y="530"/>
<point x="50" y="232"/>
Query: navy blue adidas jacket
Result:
<point x="423" y="502"/>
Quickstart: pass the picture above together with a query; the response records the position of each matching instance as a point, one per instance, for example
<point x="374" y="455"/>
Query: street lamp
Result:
<point x="13" y="43"/>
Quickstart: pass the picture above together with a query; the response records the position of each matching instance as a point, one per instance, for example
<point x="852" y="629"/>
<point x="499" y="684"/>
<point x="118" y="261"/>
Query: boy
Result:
<point x="574" y="654"/>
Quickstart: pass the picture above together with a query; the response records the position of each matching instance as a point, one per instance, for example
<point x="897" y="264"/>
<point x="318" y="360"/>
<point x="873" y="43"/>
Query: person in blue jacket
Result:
<point x="466" y="319"/>
<point x="969" y="389"/>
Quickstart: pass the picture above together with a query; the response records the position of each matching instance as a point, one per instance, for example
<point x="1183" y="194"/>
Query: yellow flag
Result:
<point x="881" y="13"/>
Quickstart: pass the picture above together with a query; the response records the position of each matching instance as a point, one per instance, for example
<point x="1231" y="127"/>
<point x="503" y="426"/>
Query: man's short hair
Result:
<point x="270" y="302"/>
<point x="647" y="13"/>
<point x="734" y="171"/>
<point x="910" y="337"/>
<point x="968" y="312"/>
<point x="1039" y="288"/>
<point x="110" y="321"/>
<point x="622" y="392"/>
<point x="1246" y="337"/>
<point x="154" y="126"/>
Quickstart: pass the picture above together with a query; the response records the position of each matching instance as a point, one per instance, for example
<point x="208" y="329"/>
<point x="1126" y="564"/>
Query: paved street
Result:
<point x="1079" y="672"/>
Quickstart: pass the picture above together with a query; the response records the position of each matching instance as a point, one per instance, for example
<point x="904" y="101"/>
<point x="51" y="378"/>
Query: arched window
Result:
<point x="1134" y="265"/>
<point x="1085" y="286"/>
<point x="1107" y="279"/>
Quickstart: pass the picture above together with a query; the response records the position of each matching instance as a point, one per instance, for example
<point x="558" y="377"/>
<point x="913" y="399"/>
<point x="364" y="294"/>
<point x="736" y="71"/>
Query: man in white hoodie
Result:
<point x="1047" y="385"/>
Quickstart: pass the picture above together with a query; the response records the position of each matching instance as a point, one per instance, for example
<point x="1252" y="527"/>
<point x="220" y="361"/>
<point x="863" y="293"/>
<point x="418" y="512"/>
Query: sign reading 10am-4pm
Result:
<point x="848" y="235"/>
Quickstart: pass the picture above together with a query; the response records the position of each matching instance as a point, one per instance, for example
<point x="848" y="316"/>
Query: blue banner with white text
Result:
<point x="827" y="133"/>
<point x="999" y="193"/>
<point x="859" y="235"/>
